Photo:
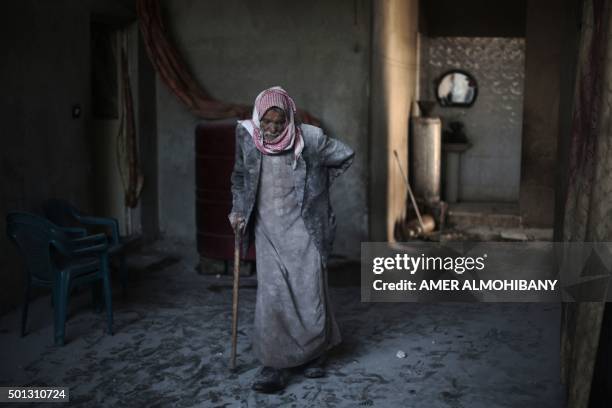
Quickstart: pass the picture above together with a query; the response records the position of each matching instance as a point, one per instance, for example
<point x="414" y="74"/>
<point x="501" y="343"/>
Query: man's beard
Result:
<point x="269" y="135"/>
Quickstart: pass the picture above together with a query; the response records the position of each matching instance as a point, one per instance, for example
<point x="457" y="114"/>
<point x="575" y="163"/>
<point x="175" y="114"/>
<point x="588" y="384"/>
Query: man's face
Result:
<point x="272" y="123"/>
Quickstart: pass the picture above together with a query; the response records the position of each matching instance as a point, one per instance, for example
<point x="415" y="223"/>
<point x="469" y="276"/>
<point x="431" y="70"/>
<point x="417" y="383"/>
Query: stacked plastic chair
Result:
<point x="60" y="259"/>
<point x="64" y="214"/>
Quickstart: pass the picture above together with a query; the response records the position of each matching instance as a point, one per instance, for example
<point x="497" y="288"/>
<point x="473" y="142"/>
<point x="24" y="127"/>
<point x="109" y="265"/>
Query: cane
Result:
<point x="237" y="244"/>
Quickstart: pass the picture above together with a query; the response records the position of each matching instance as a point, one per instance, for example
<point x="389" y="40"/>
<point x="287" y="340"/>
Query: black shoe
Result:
<point x="316" y="368"/>
<point x="269" y="380"/>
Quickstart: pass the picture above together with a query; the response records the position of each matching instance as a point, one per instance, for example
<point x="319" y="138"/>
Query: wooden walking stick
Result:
<point x="237" y="244"/>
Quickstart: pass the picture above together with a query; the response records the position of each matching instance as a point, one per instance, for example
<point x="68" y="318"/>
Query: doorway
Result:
<point x="114" y="124"/>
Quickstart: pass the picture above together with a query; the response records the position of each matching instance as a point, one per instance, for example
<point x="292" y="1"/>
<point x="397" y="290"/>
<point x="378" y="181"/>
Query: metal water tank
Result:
<point x="426" y="153"/>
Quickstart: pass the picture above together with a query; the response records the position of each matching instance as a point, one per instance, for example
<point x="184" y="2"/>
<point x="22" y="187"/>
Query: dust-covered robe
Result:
<point x="289" y="212"/>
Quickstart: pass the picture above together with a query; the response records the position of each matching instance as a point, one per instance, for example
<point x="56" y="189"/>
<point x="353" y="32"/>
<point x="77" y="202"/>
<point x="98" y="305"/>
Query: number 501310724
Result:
<point x="33" y="394"/>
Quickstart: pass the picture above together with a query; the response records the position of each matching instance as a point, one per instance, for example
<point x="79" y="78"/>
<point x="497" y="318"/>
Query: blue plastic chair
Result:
<point x="64" y="214"/>
<point x="54" y="259"/>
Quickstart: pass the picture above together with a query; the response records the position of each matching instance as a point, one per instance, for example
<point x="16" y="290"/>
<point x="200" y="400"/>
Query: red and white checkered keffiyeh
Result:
<point x="290" y="137"/>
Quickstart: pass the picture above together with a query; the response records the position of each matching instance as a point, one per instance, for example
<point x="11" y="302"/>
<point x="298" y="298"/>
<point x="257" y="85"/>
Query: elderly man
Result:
<point x="280" y="188"/>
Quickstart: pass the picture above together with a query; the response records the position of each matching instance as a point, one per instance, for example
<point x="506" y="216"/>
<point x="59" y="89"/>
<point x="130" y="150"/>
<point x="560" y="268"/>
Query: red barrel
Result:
<point x="215" y="144"/>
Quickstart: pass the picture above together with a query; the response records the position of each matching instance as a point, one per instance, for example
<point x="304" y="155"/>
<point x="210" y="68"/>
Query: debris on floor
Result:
<point x="172" y="342"/>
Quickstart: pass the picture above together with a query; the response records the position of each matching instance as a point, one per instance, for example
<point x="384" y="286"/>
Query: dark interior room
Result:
<point x="194" y="197"/>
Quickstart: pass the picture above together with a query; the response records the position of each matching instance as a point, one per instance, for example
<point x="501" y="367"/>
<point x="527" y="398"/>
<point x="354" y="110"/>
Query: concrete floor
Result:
<point x="171" y="348"/>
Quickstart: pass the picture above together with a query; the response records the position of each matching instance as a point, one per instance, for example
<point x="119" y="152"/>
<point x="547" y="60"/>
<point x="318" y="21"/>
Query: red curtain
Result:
<point x="174" y="73"/>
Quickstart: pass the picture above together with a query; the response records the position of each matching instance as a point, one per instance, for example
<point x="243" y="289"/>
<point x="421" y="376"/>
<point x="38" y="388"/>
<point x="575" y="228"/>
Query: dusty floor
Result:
<point x="171" y="348"/>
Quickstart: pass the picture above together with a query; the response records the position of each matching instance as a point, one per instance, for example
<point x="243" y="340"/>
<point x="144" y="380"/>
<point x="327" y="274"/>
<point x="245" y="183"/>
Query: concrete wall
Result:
<point x="394" y="74"/>
<point x="490" y="169"/>
<point x="147" y="131"/>
<point x="543" y="66"/>
<point x="318" y="51"/>
<point x="44" y="151"/>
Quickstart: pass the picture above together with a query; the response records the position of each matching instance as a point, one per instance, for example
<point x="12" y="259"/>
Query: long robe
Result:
<point x="294" y="322"/>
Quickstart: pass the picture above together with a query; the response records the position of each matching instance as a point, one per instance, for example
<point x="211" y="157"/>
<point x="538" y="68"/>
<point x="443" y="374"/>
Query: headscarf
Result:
<point x="291" y="135"/>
